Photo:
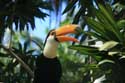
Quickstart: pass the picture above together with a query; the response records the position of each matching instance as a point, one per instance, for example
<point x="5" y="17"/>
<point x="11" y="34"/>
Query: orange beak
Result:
<point x="62" y="31"/>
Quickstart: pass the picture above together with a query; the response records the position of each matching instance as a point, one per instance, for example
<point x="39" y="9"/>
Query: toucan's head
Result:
<point x="59" y="35"/>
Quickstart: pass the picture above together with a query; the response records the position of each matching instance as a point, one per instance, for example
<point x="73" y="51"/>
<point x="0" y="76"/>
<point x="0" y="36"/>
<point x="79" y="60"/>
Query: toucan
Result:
<point x="48" y="67"/>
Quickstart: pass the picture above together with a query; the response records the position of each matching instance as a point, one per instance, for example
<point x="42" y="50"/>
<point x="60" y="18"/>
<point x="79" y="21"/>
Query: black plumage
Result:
<point x="47" y="70"/>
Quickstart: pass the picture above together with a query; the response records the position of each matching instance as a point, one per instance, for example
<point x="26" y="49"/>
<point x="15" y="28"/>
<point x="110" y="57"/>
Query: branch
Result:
<point x="28" y="69"/>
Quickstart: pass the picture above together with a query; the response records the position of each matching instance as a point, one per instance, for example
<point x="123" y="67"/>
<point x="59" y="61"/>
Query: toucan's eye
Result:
<point x="52" y="33"/>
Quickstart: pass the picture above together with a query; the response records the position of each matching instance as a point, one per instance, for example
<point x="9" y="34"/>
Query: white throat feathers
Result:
<point x="50" y="49"/>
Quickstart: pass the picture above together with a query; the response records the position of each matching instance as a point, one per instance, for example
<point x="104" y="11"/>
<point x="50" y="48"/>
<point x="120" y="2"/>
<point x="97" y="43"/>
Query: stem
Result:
<point x="10" y="42"/>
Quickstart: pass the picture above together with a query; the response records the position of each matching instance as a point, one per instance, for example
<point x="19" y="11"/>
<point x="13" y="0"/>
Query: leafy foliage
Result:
<point x="103" y="27"/>
<point x="105" y="19"/>
<point x="100" y="20"/>
<point x="11" y="70"/>
<point x="22" y="12"/>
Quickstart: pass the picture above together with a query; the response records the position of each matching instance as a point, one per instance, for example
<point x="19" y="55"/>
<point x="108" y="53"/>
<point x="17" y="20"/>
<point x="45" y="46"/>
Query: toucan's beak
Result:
<point x="62" y="31"/>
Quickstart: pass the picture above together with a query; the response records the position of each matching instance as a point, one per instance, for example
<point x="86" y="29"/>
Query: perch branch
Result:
<point x="28" y="69"/>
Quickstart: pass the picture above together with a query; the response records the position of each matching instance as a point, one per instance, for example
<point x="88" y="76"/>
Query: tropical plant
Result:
<point x="109" y="57"/>
<point x="16" y="52"/>
<point x="18" y="63"/>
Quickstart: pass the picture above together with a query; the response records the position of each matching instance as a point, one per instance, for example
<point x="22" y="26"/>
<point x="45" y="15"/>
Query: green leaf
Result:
<point x="105" y="24"/>
<point x="21" y="23"/>
<point x="32" y="23"/>
<point x="108" y="45"/>
<point x="38" y="42"/>
<point x="30" y="51"/>
<point x="96" y="35"/>
<point x="121" y="23"/>
<point x="87" y="50"/>
<point x="3" y="55"/>
<point x="96" y="26"/>
<point x="88" y="67"/>
<point x="111" y="20"/>
<point x="106" y="14"/>
<point x="44" y="5"/>
<point x="1" y="64"/>
<point x="16" y="23"/>
<point x="70" y="5"/>
<point x="26" y="43"/>
<point x="20" y="47"/>
<point x="101" y="18"/>
<point x="105" y="61"/>
<point x="112" y="53"/>
<point x="106" y="65"/>
<point x="109" y="9"/>
<point x="77" y="16"/>
<point x="38" y="13"/>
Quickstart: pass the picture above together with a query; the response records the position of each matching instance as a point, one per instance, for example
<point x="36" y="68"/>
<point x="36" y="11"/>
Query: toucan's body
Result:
<point x="48" y="67"/>
<point x="47" y="70"/>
